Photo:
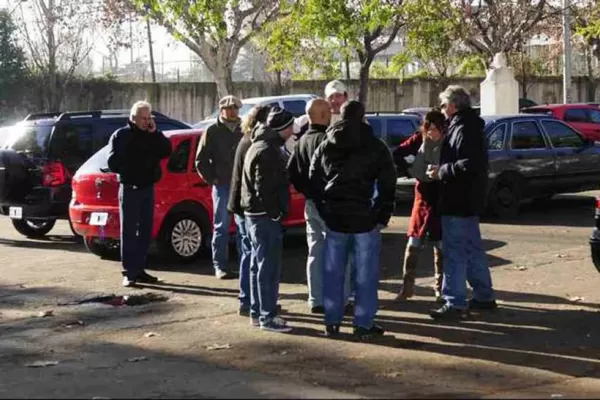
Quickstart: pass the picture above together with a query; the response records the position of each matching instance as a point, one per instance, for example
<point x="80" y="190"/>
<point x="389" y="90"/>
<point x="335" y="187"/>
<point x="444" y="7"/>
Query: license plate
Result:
<point x="15" y="212"/>
<point x="98" y="219"/>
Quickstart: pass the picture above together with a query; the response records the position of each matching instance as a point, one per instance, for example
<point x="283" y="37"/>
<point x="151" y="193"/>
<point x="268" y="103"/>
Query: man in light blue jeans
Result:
<point x="463" y="171"/>
<point x="214" y="162"/>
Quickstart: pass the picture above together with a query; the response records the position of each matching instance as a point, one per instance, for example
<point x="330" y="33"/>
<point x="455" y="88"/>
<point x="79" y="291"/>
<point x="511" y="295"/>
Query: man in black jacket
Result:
<point x="353" y="179"/>
<point x="463" y="172"/>
<point x="256" y="116"/>
<point x="319" y="115"/>
<point x="265" y="199"/>
<point x="214" y="162"/>
<point x="135" y="154"/>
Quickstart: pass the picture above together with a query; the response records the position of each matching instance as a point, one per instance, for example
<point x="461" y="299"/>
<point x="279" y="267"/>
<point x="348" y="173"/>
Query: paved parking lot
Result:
<point x="542" y="342"/>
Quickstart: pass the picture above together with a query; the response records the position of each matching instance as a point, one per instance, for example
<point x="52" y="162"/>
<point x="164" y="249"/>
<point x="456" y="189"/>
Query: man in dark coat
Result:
<point x="135" y="153"/>
<point x="214" y="162"/>
<point x="265" y="200"/>
<point x="463" y="172"/>
<point x="354" y="180"/>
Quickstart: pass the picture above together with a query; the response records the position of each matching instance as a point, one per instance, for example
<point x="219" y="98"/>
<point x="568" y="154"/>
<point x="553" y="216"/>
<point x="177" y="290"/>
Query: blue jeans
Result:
<point x="315" y="238"/>
<point x="244" y="246"/>
<point x="266" y="237"/>
<point x="221" y="221"/>
<point x="136" y="212"/>
<point x="464" y="260"/>
<point x="366" y="249"/>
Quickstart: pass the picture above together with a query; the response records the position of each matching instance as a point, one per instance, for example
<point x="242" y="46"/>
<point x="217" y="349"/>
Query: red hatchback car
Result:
<point x="585" y="118"/>
<point x="182" y="211"/>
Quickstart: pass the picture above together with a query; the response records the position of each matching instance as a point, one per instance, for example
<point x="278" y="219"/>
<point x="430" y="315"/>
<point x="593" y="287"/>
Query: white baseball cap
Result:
<point x="334" y="87"/>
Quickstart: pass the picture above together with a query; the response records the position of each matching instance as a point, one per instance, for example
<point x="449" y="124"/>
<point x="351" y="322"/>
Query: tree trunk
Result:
<point x="365" y="69"/>
<point x="221" y="67"/>
<point x="278" y="83"/>
<point x="224" y="81"/>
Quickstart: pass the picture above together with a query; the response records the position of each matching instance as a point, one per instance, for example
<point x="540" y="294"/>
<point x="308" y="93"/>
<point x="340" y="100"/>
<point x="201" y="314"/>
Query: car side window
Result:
<point x="104" y="131"/>
<point x="576" y="115"/>
<point x="178" y="162"/>
<point x="594" y="116"/>
<point x="296" y="107"/>
<point x="167" y="126"/>
<point x="398" y="129"/>
<point x="73" y="144"/>
<point x="526" y="136"/>
<point x="495" y="140"/>
<point x="561" y="135"/>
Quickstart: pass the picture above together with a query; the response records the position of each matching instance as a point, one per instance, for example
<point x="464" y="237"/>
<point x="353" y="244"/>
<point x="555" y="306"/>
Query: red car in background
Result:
<point x="585" y="118"/>
<point x="183" y="204"/>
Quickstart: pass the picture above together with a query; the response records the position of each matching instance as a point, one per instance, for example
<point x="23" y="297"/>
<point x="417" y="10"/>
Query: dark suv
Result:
<point x="42" y="153"/>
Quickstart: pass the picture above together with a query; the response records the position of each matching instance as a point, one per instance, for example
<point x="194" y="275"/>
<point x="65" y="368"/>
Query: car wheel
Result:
<point x="505" y="198"/>
<point x="33" y="228"/>
<point x="77" y="235"/>
<point x="107" y="249"/>
<point x="184" y="236"/>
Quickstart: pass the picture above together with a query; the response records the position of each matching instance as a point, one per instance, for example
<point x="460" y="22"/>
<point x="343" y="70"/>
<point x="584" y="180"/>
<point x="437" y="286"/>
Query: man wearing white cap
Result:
<point x="214" y="162"/>
<point x="336" y="94"/>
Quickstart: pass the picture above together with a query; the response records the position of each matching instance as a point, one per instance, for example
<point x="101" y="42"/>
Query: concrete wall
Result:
<point x="190" y="102"/>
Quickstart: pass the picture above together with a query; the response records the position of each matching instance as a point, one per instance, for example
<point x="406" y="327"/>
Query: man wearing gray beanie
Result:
<point x="265" y="199"/>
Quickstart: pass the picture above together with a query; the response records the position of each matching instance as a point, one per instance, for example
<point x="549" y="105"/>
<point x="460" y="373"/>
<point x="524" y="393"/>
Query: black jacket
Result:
<point x="464" y="166"/>
<point x="299" y="163"/>
<point x="265" y="185"/>
<point x="215" y="154"/>
<point x="345" y="171"/>
<point x="235" y="190"/>
<point x="135" y="155"/>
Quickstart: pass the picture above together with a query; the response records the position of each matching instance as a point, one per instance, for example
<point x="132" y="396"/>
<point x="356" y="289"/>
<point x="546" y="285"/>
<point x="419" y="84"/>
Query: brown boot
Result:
<point x="438" y="267"/>
<point x="411" y="261"/>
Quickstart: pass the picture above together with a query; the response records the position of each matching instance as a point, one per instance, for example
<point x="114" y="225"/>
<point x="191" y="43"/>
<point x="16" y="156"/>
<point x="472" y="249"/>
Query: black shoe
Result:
<point x="317" y="310"/>
<point x="332" y="330"/>
<point x="364" y="333"/>
<point x="145" y="277"/>
<point x="475" y="304"/>
<point x="244" y="311"/>
<point x="449" y="312"/>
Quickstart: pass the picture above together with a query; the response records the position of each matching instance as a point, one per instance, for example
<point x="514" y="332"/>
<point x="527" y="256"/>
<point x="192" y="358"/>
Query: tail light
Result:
<point x="597" y="203"/>
<point x="54" y="174"/>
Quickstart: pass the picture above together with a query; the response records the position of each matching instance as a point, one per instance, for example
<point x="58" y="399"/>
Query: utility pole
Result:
<point x="151" y="51"/>
<point x="567" y="51"/>
<point x="131" y="42"/>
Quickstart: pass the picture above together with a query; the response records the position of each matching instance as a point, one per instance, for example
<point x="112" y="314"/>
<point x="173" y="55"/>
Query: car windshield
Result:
<point x="97" y="163"/>
<point x="30" y="139"/>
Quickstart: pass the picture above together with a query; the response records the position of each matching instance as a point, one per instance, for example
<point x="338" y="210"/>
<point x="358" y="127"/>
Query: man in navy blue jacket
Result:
<point x="463" y="172"/>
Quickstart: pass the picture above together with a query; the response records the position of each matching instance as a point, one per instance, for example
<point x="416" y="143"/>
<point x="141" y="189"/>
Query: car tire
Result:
<point x="505" y="197"/>
<point x="185" y="236"/>
<point x="105" y="249"/>
<point x="595" y="250"/>
<point x="33" y="229"/>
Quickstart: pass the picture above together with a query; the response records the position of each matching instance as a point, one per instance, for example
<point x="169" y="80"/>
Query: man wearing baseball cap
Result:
<point x="265" y="199"/>
<point x="336" y="94"/>
<point x="214" y="162"/>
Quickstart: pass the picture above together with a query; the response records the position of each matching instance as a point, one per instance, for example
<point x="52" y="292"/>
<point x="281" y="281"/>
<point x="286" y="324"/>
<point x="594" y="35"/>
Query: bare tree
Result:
<point x="493" y="26"/>
<point x="56" y="36"/>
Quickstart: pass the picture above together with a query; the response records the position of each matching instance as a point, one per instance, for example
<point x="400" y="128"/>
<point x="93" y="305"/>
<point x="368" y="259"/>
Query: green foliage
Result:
<point x="13" y="67"/>
<point x="431" y="35"/>
<point x="472" y="65"/>
<point x="380" y="71"/>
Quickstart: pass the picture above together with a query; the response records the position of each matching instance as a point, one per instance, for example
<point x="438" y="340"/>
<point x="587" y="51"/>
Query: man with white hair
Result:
<point x="463" y="171"/>
<point x="135" y="154"/>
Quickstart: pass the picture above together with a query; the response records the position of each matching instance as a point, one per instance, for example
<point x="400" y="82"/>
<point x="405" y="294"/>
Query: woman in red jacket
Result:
<point x="416" y="154"/>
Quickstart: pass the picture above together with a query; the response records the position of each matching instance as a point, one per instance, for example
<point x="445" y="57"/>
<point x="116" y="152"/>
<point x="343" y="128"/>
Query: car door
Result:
<point x="594" y="118"/>
<point x="398" y="130"/>
<point x="532" y="157"/>
<point x="577" y="161"/>
<point x="579" y="119"/>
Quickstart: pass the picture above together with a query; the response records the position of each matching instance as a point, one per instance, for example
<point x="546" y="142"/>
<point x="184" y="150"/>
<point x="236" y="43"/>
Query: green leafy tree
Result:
<point x="361" y="27"/>
<point x="215" y="30"/>
<point x="528" y="66"/>
<point x="12" y="57"/>
<point x="586" y="14"/>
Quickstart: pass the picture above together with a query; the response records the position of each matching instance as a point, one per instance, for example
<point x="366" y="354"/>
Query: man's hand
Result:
<point x="151" y="126"/>
<point x="433" y="172"/>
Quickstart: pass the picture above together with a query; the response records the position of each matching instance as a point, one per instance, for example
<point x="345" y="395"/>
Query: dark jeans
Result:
<point x="136" y="207"/>
<point x="244" y="246"/>
<point x="266" y="236"/>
